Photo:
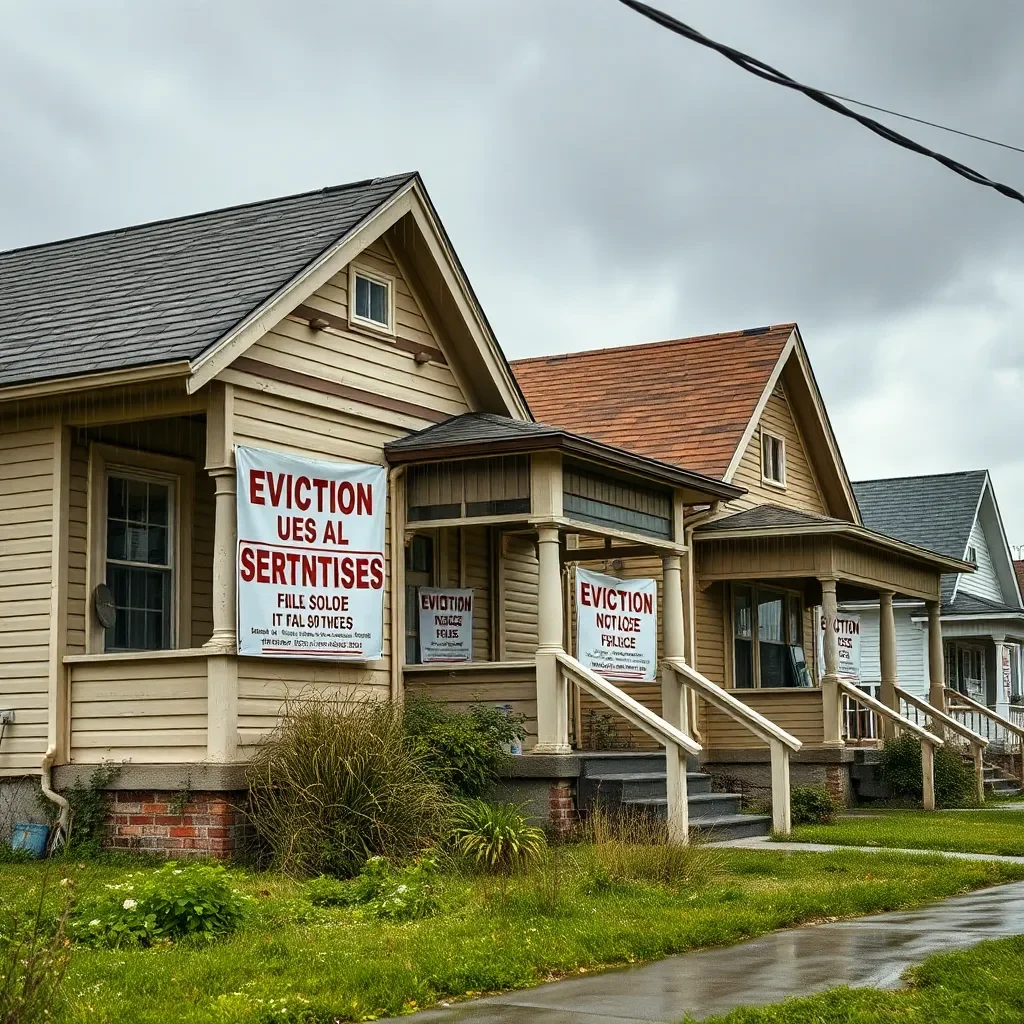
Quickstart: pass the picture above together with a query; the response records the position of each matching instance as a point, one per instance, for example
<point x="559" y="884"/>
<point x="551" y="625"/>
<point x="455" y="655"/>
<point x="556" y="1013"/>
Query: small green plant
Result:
<point x="463" y="750"/>
<point x="602" y="732"/>
<point x="88" y="822"/>
<point x="496" y="837"/>
<point x="337" y="783"/>
<point x="634" y="847"/>
<point x="900" y="769"/>
<point x="382" y="891"/>
<point x="813" y="805"/>
<point x="171" y="903"/>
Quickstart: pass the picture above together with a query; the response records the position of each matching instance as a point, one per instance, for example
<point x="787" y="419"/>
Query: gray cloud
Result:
<point x="604" y="181"/>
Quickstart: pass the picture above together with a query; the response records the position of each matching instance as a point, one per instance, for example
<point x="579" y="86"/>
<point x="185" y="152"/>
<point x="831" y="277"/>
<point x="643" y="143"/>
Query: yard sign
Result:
<point x="617" y="626"/>
<point x="310" y="557"/>
<point x="446" y="625"/>
<point x="848" y="628"/>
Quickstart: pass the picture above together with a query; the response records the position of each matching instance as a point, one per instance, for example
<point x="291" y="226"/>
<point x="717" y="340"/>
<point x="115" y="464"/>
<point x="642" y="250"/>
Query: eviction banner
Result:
<point x="847" y="626"/>
<point x="446" y="625"/>
<point x="311" y="564"/>
<point x="617" y="626"/>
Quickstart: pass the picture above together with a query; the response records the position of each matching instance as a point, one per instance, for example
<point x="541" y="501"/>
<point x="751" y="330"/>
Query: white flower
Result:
<point x="129" y="904"/>
<point x="95" y="921"/>
<point x="178" y="871"/>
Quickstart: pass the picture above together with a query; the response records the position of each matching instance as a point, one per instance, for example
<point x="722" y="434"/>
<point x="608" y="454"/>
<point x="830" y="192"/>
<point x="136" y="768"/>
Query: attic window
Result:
<point x="773" y="460"/>
<point x="972" y="554"/>
<point x="371" y="300"/>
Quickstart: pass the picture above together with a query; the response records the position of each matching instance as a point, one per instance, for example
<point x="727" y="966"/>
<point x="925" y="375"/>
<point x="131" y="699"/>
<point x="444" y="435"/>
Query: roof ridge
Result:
<point x="744" y="332"/>
<point x="325" y="190"/>
<point x="922" y="476"/>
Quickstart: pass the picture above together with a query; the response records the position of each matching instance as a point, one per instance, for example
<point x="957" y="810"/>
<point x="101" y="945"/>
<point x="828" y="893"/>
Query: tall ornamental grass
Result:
<point x="337" y="784"/>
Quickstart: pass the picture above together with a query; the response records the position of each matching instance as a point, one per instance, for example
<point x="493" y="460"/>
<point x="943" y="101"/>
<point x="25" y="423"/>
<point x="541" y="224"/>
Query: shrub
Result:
<point x="383" y="891"/>
<point x="634" y="847"/>
<point x="496" y="837"/>
<point x="900" y="769"/>
<point x="336" y="784"/>
<point x="813" y="805"/>
<point x="164" y="905"/>
<point x="463" y="750"/>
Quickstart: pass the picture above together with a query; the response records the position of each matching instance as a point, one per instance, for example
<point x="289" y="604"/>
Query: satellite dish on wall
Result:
<point x="103" y="605"/>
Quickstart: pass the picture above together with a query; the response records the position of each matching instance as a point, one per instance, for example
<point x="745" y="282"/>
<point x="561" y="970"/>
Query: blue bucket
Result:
<point x="31" y="837"/>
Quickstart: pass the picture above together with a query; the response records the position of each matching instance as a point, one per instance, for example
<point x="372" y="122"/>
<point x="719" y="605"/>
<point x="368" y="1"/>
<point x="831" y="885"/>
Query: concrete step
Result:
<point x="612" y="788"/>
<point x="703" y="806"/>
<point x="622" y="762"/>
<point x="719" y="827"/>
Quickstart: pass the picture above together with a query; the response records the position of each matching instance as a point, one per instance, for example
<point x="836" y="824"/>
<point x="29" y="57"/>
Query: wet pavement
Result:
<point x="766" y="843"/>
<point x="868" y="951"/>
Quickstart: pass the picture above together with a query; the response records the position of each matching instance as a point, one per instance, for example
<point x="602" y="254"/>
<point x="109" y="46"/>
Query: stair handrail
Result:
<point x="929" y="741"/>
<point x="676" y="743"/>
<point x="780" y="743"/>
<point x="985" y="710"/>
<point x="977" y="742"/>
<point x="764" y="728"/>
<point x="632" y="710"/>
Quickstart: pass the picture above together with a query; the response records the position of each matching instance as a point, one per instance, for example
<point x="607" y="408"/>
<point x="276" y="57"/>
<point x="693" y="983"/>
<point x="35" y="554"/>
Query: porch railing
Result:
<point x="1004" y="736"/>
<point x="780" y="743"/>
<point x="929" y="741"/>
<point x="956" y="735"/>
<point x="676" y="743"/>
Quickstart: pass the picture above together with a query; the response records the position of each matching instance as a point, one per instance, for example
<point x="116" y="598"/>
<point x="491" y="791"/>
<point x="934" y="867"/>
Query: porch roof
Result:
<point x="479" y="434"/>
<point x="776" y="521"/>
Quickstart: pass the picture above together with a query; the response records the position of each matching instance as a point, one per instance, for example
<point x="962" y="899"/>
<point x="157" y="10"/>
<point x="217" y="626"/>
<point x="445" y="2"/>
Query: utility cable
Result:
<point x="770" y="74"/>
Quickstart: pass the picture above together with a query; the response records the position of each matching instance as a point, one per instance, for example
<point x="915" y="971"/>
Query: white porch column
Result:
<point x="552" y="690"/>
<point x="1003" y="677"/>
<point x="225" y="545"/>
<point x="832" y="706"/>
<point x="887" y="658"/>
<point x="674" y="702"/>
<point x="936" y="658"/>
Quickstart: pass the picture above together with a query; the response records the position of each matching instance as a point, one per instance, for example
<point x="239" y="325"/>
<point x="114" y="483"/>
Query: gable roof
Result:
<point x="168" y="290"/>
<point x="686" y="401"/>
<point x="483" y="434"/>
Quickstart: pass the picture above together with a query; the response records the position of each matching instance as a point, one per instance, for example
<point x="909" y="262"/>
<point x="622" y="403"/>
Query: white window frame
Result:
<point x="106" y="461"/>
<point x="972" y="554"/>
<point x="359" y="270"/>
<point x="766" y="478"/>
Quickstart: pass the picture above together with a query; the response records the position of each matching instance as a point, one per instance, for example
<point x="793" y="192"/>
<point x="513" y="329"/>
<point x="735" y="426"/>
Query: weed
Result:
<point x="496" y="837"/>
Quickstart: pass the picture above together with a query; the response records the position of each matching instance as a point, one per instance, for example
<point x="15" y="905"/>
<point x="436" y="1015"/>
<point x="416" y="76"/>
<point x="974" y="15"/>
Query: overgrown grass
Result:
<point x="489" y="934"/>
<point x="980" y="984"/>
<point x="999" y="832"/>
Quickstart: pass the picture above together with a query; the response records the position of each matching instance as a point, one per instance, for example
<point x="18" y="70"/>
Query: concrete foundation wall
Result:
<point x="753" y="779"/>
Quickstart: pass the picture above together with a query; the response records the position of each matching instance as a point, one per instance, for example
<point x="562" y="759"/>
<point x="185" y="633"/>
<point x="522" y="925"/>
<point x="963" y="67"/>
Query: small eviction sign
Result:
<point x="311" y="565"/>
<point x="446" y="625"/>
<point x="617" y="626"/>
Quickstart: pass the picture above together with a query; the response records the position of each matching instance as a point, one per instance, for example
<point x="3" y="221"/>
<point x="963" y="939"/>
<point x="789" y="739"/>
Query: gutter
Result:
<point x="64" y="819"/>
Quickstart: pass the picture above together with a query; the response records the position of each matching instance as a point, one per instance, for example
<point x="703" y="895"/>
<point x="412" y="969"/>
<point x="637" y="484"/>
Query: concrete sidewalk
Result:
<point x="867" y="951"/>
<point x="765" y="843"/>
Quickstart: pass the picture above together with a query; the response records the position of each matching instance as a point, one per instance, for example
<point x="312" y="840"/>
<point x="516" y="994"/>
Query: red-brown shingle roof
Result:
<point x="686" y="401"/>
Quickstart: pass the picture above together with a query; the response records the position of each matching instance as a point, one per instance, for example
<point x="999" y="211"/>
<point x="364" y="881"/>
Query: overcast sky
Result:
<point x="604" y="182"/>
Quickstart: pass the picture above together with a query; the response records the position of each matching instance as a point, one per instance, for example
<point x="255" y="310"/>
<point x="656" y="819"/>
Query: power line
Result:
<point x="770" y="74"/>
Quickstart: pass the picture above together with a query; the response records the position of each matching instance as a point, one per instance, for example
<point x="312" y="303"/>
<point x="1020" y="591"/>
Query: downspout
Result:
<point x="61" y="835"/>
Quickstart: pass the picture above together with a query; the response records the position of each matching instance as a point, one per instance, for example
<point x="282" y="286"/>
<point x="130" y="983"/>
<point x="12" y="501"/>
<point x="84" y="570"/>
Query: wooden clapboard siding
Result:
<point x="148" y="710"/>
<point x="78" y="526"/>
<point x="360" y="358"/>
<point x="495" y="683"/>
<point x="802" y="490"/>
<point x="476" y="544"/>
<point x="26" y="539"/>
<point x="709" y="622"/>
<point x="520" y="574"/>
<point x="799" y="712"/>
<point x="266" y="685"/>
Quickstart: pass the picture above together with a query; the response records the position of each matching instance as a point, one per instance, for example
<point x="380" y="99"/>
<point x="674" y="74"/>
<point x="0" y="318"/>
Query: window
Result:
<point x="140" y="562"/>
<point x="972" y="554"/>
<point x="419" y="572"/>
<point x="372" y="300"/>
<point x="773" y="459"/>
<point x="776" y="618"/>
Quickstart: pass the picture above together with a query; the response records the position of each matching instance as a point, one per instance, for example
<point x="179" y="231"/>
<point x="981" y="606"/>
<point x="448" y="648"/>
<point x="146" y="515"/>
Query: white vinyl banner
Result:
<point x="311" y="565"/>
<point x="446" y="625"/>
<point x="848" y="629"/>
<point x="617" y="626"/>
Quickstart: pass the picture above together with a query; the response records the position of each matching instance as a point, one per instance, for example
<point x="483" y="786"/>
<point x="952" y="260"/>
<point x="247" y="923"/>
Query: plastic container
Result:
<point x="30" y="836"/>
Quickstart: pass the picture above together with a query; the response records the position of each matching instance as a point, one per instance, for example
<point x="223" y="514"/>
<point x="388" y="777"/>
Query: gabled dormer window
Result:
<point x="371" y="300"/>
<point x="773" y="460"/>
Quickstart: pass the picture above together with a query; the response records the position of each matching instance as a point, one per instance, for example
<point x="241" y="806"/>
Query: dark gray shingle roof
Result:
<point x="968" y="604"/>
<point x="163" y="291"/>
<point x="762" y="517"/>
<point x="935" y="512"/>
<point x="471" y="428"/>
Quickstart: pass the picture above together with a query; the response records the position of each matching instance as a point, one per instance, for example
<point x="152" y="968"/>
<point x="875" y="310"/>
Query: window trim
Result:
<point x="755" y="587"/>
<point x="767" y="480"/>
<point x="103" y="460"/>
<point x="387" y="281"/>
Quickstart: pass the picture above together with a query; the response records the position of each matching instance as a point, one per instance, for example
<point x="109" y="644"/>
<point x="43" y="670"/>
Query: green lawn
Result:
<point x="981" y="985"/>
<point x="489" y="936"/>
<point x="1000" y="832"/>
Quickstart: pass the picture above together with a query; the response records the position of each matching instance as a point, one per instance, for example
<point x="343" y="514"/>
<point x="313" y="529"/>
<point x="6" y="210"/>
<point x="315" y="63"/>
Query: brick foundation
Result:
<point x="562" y="813"/>
<point x="208" y="825"/>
